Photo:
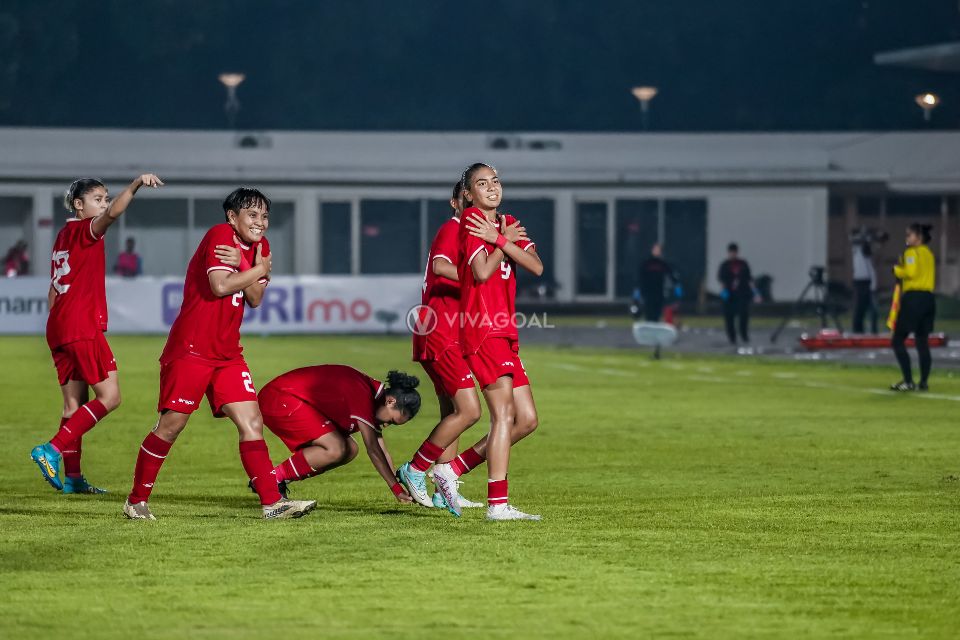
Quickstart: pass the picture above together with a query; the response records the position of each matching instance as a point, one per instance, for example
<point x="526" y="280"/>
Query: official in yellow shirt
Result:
<point x="917" y="275"/>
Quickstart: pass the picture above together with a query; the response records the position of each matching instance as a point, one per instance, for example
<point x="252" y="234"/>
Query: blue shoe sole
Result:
<point x="55" y="481"/>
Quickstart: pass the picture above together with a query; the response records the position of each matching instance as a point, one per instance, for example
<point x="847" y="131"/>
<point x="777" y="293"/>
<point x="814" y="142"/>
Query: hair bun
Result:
<point x="401" y="380"/>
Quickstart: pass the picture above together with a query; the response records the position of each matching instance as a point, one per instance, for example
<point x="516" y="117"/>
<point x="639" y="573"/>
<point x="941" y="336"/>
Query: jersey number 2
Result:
<point x="248" y="381"/>
<point x="60" y="268"/>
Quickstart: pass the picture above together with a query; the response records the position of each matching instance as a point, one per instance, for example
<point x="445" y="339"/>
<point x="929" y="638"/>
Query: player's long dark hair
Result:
<point x="466" y="179"/>
<point x="922" y="231"/>
<point x="78" y="189"/>
<point x="403" y="388"/>
<point x="243" y="198"/>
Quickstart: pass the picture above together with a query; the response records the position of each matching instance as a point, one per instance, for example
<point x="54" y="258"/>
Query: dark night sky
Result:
<point x="487" y="65"/>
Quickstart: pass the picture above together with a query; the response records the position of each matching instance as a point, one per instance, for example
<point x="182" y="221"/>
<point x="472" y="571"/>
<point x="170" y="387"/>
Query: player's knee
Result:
<point x="110" y="400"/>
<point x="527" y="424"/>
<point x="469" y="416"/>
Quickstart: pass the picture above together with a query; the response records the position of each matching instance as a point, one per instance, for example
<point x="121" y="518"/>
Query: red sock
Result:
<point x="496" y="492"/>
<point x="295" y="467"/>
<point x="425" y="456"/>
<point x="71" y="457"/>
<point x="256" y="462"/>
<point x="78" y="424"/>
<point x="466" y="461"/>
<point x="152" y="453"/>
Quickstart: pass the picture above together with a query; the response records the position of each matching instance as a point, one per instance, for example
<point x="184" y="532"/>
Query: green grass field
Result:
<point x="688" y="498"/>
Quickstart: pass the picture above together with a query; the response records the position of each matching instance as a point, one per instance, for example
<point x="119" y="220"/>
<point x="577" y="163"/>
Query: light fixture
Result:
<point x="928" y="102"/>
<point x="644" y="95"/>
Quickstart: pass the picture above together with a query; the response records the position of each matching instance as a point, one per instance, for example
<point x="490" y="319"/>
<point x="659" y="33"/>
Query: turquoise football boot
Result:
<point x="48" y="459"/>
<point x="80" y="485"/>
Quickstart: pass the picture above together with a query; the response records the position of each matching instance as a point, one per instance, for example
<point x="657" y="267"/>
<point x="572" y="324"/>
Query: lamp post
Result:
<point x="644" y="95"/>
<point x="232" y="107"/>
<point x="928" y="102"/>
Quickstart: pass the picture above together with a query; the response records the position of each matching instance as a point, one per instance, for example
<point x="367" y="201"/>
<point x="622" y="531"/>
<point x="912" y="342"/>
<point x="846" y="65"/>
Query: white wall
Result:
<point x="781" y="232"/>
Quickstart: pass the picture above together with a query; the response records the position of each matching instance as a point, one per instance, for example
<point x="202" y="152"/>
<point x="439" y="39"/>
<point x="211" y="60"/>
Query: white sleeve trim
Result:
<point x="359" y="419"/>
<point x="440" y="255"/>
<point x="223" y="268"/>
<point x="530" y="246"/>
<point x="95" y="236"/>
<point x="479" y="249"/>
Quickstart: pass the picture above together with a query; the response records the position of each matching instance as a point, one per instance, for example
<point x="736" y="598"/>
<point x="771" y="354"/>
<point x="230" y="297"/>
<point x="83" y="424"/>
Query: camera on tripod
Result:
<point x="818" y="275"/>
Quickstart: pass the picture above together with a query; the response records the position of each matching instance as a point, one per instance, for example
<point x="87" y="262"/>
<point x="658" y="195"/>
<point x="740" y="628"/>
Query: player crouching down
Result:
<point x="315" y="410"/>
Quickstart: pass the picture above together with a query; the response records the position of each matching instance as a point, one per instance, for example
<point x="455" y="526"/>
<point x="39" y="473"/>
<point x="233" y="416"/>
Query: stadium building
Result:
<point x="367" y="203"/>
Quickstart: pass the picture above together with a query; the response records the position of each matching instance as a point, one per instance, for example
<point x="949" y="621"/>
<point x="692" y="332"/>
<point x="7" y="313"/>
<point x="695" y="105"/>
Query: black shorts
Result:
<point x="917" y="310"/>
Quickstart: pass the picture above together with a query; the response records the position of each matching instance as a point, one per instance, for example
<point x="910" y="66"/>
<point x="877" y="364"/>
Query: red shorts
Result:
<point x="89" y="361"/>
<point x="184" y="381"/>
<point x="449" y="372"/>
<point x="495" y="358"/>
<point x="291" y="419"/>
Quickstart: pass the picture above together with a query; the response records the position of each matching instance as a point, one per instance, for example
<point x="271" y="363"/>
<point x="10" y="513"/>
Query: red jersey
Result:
<point x="487" y="309"/>
<point x="77" y="273"/>
<point x="208" y="326"/>
<point x="440" y="302"/>
<point x="341" y="393"/>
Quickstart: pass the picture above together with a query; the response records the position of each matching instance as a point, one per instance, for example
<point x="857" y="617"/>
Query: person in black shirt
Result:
<point x="653" y="275"/>
<point x="737" y="293"/>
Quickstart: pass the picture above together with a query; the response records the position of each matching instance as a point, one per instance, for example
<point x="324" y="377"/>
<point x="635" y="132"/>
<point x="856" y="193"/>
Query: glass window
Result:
<point x="592" y="250"/>
<point x="335" y="244"/>
<point x="390" y="236"/>
<point x="16" y="224"/>
<point x="685" y="242"/>
<point x="536" y="214"/>
<point x="438" y="212"/>
<point x="913" y="206"/>
<point x="159" y="226"/>
<point x="636" y="232"/>
<point x="207" y="213"/>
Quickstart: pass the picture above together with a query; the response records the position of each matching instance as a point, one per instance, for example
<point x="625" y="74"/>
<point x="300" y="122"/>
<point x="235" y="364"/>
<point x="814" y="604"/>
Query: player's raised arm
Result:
<point x="373" y="442"/>
<point x="223" y="283"/>
<point x="119" y="204"/>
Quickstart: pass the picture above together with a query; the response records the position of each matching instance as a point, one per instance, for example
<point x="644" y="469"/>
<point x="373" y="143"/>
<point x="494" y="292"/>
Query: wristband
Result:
<point x="501" y="241"/>
<point x="397" y="489"/>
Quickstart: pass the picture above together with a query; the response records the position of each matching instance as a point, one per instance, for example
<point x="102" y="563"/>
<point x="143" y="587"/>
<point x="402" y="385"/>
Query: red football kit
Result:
<point x="203" y="354"/>
<point x="488" y="330"/>
<point x="305" y="404"/>
<point x="78" y="317"/>
<point x="436" y="344"/>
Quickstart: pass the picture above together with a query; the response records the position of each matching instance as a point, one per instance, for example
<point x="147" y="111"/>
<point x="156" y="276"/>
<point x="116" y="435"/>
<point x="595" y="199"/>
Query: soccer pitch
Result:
<point x="681" y="498"/>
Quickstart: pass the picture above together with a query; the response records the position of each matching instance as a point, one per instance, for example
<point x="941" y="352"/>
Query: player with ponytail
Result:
<point x="315" y="410"/>
<point x="917" y="275"/>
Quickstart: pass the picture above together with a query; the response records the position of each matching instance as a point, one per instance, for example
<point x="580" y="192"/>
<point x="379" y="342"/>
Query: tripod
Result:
<point x="818" y="288"/>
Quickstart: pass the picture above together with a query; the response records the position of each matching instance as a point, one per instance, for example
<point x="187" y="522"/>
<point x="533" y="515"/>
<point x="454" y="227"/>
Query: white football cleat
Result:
<point x="283" y="509"/>
<point x="138" y="511"/>
<point x="415" y="482"/>
<point x="468" y="504"/>
<point x="506" y="512"/>
<point x="448" y="484"/>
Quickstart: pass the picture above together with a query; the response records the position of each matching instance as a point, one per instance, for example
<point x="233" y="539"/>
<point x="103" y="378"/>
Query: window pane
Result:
<point x="159" y="226"/>
<point x="592" y="248"/>
<point x="390" y="236"/>
<point x="16" y="224"/>
<point x="636" y="232"/>
<point x="207" y="213"/>
<point x="438" y="212"/>
<point x="537" y="216"/>
<point x="335" y="237"/>
<point x="913" y="206"/>
<point x="685" y="242"/>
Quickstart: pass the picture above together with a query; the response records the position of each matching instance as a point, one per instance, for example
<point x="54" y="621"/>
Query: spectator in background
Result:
<point x="737" y="294"/>
<point x="129" y="264"/>
<point x="17" y="261"/>
<point x="652" y="277"/>
<point x="864" y="287"/>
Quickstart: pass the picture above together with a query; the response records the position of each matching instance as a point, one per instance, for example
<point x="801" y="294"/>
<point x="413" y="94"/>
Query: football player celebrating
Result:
<point x="436" y="346"/>
<point x="203" y="355"/>
<point x="486" y="259"/>
<point x="315" y="410"/>
<point x="76" y="324"/>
